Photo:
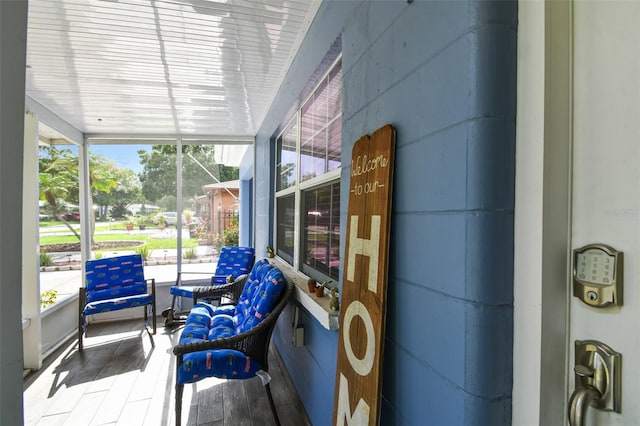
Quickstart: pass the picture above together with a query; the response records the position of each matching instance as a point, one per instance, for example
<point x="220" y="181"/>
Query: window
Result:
<point x="321" y="234"/>
<point x="286" y="167"/>
<point x="286" y="223"/>
<point x="308" y="181"/>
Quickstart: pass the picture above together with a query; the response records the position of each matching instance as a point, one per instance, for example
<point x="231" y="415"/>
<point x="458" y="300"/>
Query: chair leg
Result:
<point x="80" y="333"/>
<point x="81" y="303"/>
<point x="169" y="313"/>
<point x="176" y="304"/>
<point x="150" y="307"/>
<point x="153" y="312"/>
<point x="272" y="404"/>
<point x="179" y="389"/>
<point x="168" y="321"/>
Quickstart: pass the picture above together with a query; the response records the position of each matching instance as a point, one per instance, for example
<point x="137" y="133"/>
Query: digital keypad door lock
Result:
<point x="598" y="275"/>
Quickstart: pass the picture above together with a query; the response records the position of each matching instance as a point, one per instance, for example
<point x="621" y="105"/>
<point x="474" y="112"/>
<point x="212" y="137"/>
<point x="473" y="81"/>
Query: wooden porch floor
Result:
<point x="122" y="378"/>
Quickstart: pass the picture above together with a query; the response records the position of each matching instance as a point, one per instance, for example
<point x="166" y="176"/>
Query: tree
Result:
<point x="128" y="191"/>
<point x="52" y="189"/>
<point x="158" y="176"/>
<point x="56" y="183"/>
<point x="59" y="180"/>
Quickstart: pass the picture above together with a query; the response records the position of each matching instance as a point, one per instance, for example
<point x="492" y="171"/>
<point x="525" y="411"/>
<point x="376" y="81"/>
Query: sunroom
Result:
<point x="282" y="90"/>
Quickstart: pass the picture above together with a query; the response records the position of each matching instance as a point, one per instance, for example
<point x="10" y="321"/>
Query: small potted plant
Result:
<point x="334" y="304"/>
<point x="311" y="285"/>
<point x="142" y="223"/>
<point x="129" y="223"/>
<point x="320" y="288"/>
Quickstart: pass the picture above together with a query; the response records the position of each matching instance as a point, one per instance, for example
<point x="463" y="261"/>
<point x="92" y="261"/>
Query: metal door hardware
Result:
<point x="598" y="275"/>
<point x="597" y="380"/>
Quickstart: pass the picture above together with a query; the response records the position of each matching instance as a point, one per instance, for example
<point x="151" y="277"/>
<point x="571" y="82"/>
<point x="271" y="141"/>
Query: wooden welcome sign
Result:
<point x="364" y="288"/>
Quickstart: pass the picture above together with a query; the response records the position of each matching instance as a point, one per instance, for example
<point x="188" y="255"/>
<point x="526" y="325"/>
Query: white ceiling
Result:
<point x="177" y="67"/>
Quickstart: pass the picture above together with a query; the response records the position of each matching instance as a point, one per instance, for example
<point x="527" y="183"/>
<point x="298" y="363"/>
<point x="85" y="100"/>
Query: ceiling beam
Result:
<point x="50" y="119"/>
<point x="159" y="139"/>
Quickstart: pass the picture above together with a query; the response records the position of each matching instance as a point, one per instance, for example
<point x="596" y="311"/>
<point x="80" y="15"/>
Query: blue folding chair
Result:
<point x="112" y="284"/>
<point x="232" y="263"/>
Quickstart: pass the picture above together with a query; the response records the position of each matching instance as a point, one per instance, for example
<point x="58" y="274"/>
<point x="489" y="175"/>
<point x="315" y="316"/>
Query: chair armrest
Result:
<point x="231" y="290"/>
<point x="179" y="277"/>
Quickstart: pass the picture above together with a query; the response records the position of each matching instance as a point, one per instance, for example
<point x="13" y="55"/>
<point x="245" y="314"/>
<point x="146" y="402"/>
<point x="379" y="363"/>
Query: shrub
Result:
<point x="215" y="240"/>
<point x="188" y="216"/>
<point x="48" y="298"/>
<point x="230" y="236"/>
<point x="190" y="253"/>
<point x="143" y="250"/>
<point x="45" y="259"/>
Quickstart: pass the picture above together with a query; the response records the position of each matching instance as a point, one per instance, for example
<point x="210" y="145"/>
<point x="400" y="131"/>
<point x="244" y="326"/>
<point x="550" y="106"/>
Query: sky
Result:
<point x="126" y="156"/>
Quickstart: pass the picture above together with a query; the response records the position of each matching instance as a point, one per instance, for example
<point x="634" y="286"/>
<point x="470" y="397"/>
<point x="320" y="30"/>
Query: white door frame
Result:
<point x="542" y="212"/>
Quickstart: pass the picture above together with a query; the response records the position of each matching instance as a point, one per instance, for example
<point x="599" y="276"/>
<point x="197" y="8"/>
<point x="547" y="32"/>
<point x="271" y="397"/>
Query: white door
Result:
<point x="606" y="180"/>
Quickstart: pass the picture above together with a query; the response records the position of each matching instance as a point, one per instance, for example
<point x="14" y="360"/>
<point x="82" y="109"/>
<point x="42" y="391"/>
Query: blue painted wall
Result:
<point x="312" y="368"/>
<point x="444" y="74"/>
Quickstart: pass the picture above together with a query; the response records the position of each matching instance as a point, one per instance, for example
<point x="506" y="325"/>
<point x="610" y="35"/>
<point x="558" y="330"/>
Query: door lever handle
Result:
<point x="580" y="400"/>
<point x="597" y="380"/>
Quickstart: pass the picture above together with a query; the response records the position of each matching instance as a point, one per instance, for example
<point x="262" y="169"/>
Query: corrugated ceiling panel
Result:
<point x="147" y="66"/>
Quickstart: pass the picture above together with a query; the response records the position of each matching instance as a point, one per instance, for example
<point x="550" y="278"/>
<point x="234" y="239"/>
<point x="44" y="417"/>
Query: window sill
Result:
<point x="318" y="307"/>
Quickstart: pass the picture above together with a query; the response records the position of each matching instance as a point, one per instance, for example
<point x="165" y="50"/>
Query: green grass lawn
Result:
<point x="46" y="226"/>
<point x="152" y="243"/>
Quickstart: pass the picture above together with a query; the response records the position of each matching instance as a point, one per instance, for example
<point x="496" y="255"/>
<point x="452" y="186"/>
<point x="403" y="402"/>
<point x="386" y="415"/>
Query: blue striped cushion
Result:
<point x="261" y="293"/>
<point x="114" y="278"/>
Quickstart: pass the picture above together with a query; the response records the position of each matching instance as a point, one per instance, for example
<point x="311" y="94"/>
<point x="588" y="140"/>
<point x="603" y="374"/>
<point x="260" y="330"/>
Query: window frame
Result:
<point x="328" y="178"/>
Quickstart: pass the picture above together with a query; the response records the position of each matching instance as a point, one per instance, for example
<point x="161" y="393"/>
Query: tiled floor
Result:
<point x="125" y="377"/>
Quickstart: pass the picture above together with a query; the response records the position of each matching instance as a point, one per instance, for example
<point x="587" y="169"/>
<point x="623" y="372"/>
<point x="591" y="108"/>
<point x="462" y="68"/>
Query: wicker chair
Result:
<point x="232" y="262"/>
<point x="230" y="292"/>
<point x="250" y="346"/>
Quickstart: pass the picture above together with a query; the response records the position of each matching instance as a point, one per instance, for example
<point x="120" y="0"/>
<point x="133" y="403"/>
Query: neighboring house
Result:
<point x="220" y="204"/>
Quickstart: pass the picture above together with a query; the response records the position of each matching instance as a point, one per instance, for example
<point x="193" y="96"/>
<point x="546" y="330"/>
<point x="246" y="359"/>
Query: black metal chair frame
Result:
<point x="211" y="292"/>
<point x="82" y="301"/>
<point x="253" y="343"/>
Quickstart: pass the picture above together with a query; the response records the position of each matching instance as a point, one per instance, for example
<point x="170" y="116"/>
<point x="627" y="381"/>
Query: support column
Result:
<point x="13" y="48"/>
<point x="31" y="334"/>
<point x="179" y="203"/>
<point x="87" y="221"/>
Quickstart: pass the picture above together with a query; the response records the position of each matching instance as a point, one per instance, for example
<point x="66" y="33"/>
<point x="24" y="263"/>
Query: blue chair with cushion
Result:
<point x="232" y="342"/>
<point x="112" y="284"/>
<point x="232" y="262"/>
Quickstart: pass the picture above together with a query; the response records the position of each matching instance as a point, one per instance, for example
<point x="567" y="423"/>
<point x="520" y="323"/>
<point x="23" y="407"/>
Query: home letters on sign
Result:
<point x="362" y="318"/>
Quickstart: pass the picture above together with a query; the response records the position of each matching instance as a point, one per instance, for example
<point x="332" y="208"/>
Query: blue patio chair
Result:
<point x="112" y="284"/>
<point x="232" y="263"/>
<point x="232" y="342"/>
